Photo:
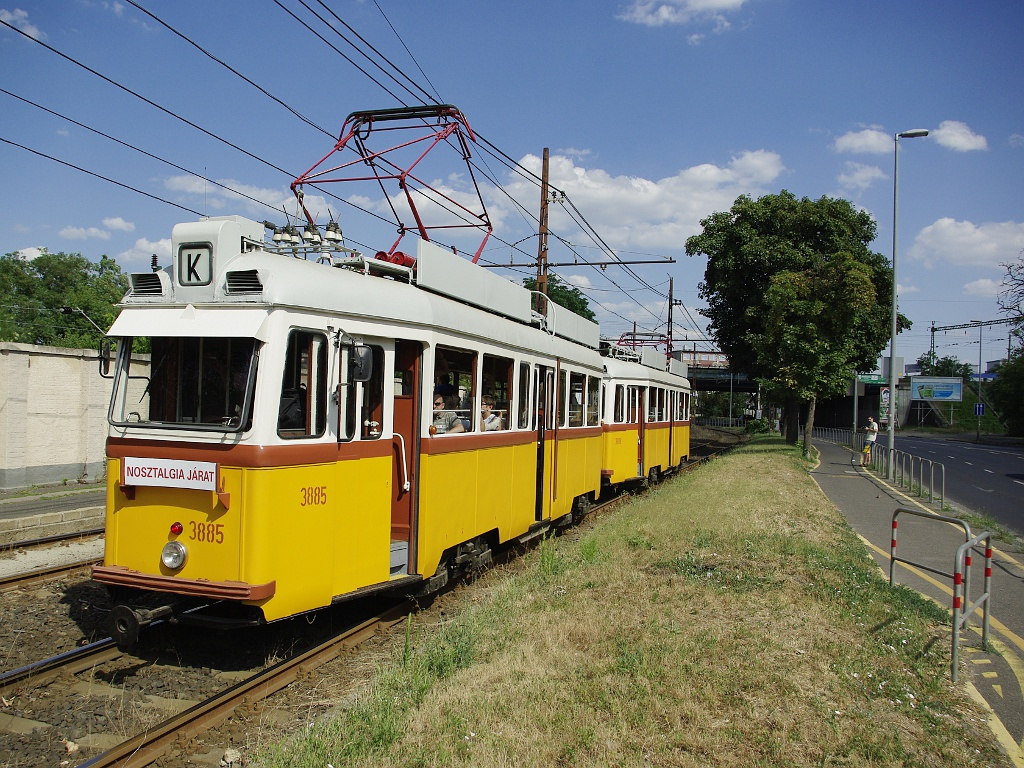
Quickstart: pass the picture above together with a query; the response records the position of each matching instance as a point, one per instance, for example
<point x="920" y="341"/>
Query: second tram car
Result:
<point x="289" y="432"/>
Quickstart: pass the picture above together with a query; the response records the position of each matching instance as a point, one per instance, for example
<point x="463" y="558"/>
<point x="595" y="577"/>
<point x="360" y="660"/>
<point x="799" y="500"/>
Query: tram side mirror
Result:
<point x="362" y="363"/>
<point x="106" y="350"/>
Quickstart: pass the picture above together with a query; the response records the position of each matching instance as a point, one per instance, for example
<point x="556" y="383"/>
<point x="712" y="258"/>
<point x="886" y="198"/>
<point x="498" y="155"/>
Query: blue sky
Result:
<point x="656" y="114"/>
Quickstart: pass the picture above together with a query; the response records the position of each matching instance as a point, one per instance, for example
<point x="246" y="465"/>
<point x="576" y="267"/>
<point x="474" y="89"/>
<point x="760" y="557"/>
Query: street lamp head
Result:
<point x="917" y="133"/>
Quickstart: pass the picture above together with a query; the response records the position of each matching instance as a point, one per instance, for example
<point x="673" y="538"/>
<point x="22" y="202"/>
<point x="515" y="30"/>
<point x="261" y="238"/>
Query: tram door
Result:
<point x="638" y="408"/>
<point x="405" y="446"/>
<point x="544" y="410"/>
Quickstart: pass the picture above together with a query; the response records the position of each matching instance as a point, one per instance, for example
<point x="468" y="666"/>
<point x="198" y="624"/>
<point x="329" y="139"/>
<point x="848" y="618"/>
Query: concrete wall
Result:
<point x="53" y="415"/>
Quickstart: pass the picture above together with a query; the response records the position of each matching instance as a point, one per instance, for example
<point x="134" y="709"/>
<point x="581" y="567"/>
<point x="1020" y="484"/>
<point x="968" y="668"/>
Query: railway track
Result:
<point x="28" y="576"/>
<point x="56" y="539"/>
<point x="155" y="740"/>
<point x="147" y="747"/>
<point x="31" y="578"/>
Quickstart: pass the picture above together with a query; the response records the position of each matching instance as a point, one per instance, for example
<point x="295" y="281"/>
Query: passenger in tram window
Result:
<point x="444" y="386"/>
<point x="489" y="420"/>
<point x="445" y="421"/>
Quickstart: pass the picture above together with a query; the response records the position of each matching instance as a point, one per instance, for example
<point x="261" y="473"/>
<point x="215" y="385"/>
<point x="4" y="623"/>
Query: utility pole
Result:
<point x="542" y="244"/>
<point x="668" y="352"/>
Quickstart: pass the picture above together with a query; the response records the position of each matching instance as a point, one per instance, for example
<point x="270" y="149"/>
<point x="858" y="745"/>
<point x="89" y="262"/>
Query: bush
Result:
<point x="756" y="426"/>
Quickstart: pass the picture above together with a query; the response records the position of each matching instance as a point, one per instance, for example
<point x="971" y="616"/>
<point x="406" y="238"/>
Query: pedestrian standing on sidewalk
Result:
<point x="871" y="434"/>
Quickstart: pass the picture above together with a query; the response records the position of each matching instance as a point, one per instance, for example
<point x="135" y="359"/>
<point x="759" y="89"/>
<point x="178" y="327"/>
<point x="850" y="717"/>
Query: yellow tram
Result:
<point x="293" y="425"/>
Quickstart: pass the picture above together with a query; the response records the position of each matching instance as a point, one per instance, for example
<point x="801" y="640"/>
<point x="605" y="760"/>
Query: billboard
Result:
<point x="946" y="389"/>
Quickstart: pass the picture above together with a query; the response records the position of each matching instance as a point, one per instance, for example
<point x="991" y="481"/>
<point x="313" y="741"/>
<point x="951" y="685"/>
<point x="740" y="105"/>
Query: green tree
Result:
<point x="1011" y="294"/>
<point x="1007" y="392"/>
<point x="564" y="295"/>
<point x="52" y="298"/>
<point x="933" y="365"/>
<point x="795" y="297"/>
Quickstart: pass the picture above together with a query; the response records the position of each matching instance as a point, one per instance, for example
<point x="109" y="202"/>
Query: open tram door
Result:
<point x="405" y="450"/>
<point x="545" y="397"/>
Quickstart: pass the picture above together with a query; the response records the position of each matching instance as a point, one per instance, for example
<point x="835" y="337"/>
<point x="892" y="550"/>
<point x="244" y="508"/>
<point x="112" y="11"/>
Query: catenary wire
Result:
<point x="98" y="175"/>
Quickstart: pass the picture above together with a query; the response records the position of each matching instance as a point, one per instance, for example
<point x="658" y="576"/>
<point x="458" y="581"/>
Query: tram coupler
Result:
<point x="125" y="623"/>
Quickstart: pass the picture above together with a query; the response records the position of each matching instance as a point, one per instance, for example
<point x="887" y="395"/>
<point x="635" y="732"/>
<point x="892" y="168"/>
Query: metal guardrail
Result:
<point x="718" y="421"/>
<point x="963" y="608"/>
<point x="905" y="469"/>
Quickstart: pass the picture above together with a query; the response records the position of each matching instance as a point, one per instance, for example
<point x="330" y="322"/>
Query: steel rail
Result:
<point x="72" y="662"/>
<point x="147" y="747"/>
<point x="56" y="538"/>
<point x="28" y="578"/>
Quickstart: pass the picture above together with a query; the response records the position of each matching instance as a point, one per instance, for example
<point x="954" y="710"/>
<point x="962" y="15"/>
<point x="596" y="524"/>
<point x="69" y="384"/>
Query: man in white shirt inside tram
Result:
<point x="445" y="421"/>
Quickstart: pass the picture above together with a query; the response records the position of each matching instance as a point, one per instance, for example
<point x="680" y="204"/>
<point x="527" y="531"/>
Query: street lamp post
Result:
<point x="891" y="440"/>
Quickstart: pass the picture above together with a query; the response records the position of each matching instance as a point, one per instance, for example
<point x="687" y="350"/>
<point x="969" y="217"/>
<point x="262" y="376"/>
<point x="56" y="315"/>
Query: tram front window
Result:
<point x="197" y="383"/>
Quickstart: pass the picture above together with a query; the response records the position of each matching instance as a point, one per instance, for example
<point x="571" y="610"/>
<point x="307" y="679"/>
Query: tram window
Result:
<point x="455" y="383"/>
<point x="593" y="401"/>
<point x="303" y="409"/>
<point x="524" y="396"/>
<point x="563" y="395"/>
<point x="496" y="385"/>
<point x="372" y="408"/>
<point x="198" y="383"/>
<point x="635" y="399"/>
<point x="620" y="404"/>
<point x="577" y="395"/>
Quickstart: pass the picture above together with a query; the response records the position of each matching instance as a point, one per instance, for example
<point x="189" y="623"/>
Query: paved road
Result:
<point x="979" y="477"/>
<point x="868" y="503"/>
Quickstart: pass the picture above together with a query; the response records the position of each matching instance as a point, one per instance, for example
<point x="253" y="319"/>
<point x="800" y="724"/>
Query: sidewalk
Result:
<point x="995" y="675"/>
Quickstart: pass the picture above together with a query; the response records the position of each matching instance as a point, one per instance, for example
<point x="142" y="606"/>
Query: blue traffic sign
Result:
<point x="979" y="409"/>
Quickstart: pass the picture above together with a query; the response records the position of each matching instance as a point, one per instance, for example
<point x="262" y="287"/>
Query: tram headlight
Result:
<point x="173" y="555"/>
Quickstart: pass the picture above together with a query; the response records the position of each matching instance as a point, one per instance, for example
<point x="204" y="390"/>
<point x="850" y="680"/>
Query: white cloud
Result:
<point x="872" y="140"/>
<point x="947" y="241"/>
<point x="139" y="257"/>
<point x="952" y="134"/>
<point x="30" y="253"/>
<point x="641" y="213"/>
<point x="19" y="18"/>
<point x="576" y="154"/>
<point x="84" y="233"/>
<point x="658" y="13"/>
<point x="985" y="287"/>
<point x="213" y="197"/>
<point x="1016" y="140"/>
<point x="859" y="177"/>
<point x="119" y="224"/>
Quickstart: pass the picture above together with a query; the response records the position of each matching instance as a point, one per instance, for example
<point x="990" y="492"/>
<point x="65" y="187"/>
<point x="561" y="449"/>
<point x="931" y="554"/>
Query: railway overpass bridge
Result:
<point x="715" y="379"/>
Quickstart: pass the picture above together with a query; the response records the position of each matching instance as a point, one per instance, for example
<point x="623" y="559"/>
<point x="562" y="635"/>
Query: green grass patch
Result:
<point x="729" y="617"/>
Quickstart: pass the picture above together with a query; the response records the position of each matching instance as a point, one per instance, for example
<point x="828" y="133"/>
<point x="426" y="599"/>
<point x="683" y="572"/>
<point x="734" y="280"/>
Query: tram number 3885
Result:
<point x="313" y="496"/>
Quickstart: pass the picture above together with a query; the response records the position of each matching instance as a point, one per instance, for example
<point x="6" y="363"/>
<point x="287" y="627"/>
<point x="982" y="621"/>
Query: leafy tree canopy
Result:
<point x="795" y="297"/>
<point x="1007" y="392"/>
<point x="50" y="299"/>
<point x="933" y="365"/>
<point x="564" y="295"/>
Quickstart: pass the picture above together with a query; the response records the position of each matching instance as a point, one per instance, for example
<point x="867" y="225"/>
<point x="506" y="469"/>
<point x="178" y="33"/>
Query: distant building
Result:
<point x="701" y="359"/>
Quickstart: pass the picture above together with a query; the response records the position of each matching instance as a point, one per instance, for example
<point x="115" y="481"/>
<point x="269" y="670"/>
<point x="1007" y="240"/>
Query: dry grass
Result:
<point x="730" y="617"/>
